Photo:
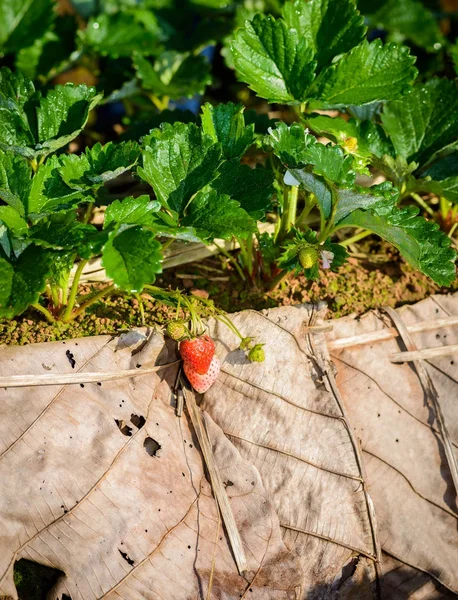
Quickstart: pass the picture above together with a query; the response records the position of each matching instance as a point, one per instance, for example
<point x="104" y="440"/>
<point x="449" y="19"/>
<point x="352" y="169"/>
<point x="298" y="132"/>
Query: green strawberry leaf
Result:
<point x="273" y="59"/>
<point x="98" y="165"/>
<point x="225" y="123"/>
<point x="330" y="28"/>
<point x="349" y="200"/>
<point x="297" y="148"/>
<point x="23" y="279"/>
<point x="62" y="114"/>
<point x="15" y="133"/>
<point x="122" y="33"/>
<point x="48" y="53"/>
<point x="215" y="215"/>
<point x="132" y="257"/>
<point x="368" y="73"/>
<point x="173" y="74"/>
<point x="22" y="22"/>
<point x="35" y="126"/>
<point x="49" y="193"/>
<point x="341" y="132"/>
<point x="132" y="211"/>
<point x="424" y="121"/>
<point x="63" y="232"/>
<point x="13" y="220"/>
<point x="419" y="241"/>
<point x="179" y="160"/>
<point x="15" y="181"/>
<point x="144" y="211"/>
<point x="444" y="175"/>
<point x="252" y="188"/>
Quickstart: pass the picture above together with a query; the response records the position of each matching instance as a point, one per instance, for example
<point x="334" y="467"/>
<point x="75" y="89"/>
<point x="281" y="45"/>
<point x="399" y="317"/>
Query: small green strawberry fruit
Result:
<point x="177" y="330"/>
<point x="257" y="354"/>
<point x="308" y="256"/>
<point x="245" y="344"/>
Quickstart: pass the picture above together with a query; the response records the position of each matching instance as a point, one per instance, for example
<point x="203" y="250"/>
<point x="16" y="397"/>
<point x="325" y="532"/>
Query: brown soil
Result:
<point x="377" y="278"/>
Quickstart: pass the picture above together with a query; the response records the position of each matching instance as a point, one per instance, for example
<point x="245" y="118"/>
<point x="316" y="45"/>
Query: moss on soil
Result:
<point x="379" y="278"/>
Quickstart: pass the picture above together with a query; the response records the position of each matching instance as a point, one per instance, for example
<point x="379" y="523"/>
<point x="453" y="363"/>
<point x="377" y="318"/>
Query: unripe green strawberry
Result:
<point x="176" y="330"/>
<point x="257" y="354"/>
<point x="308" y="256"/>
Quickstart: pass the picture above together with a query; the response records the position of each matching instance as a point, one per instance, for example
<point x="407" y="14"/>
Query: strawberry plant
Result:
<point x="314" y="57"/>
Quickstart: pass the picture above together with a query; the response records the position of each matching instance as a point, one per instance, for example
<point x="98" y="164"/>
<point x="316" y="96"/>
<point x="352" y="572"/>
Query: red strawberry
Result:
<point x="198" y="352"/>
<point x="199" y="382"/>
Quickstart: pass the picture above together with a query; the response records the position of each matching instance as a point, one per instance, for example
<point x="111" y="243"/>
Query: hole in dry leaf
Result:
<point x="65" y="597"/>
<point x="71" y="358"/>
<point x="33" y="581"/>
<point x="151" y="446"/>
<point x="137" y="420"/>
<point x="126" y="557"/>
<point x="123" y="427"/>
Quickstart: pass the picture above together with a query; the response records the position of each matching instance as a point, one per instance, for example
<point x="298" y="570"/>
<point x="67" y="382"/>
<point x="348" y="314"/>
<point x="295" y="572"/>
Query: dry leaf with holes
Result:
<point x="106" y="484"/>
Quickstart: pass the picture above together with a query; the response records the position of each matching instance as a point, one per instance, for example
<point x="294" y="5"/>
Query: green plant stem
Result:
<point x="54" y="295"/>
<point x="310" y="202"/>
<point x="105" y="292"/>
<point x="422" y="203"/>
<point x="445" y="206"/>
<point x="74" y="291"/>
<point x="167" y="244"/>
<point x="249" y="252"/>
<point x="288" y="217"/>
<point x="452" y="230"/>
<point x="44" y="311"/>
<point x="141" y="307"/>
<point x="355" y="238"/>
<point x="225" y="253"/>
<point x="88" y="213"/>
<point x="277" y="280"/>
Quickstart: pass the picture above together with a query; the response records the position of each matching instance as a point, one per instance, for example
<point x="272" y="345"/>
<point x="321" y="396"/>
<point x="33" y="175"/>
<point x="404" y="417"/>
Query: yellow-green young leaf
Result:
<point x="22" y="279"/>
<point x="22" y="22"/>
<point x="98" y="164"/>
<point x="173" y="74"/>
<point x="420" y="242"/>
<point x="215" y="215"/>
<point x="330" y="27"/>
<point x="132" y="257"/>
<point x="13" y="220"/>
<point x="225" y="123"/>
<point x="273" y="59"/>
<point x="423" y="122"/>
<point x="178" y="161"/>
<point x="132" y="211"/>
<point x="368" y="73"/>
